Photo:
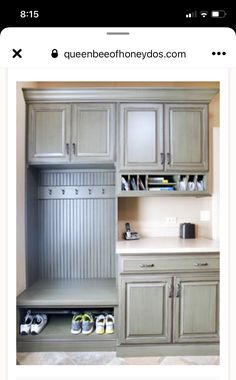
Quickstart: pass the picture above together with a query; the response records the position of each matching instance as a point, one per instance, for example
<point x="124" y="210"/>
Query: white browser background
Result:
<point x="37" y="67"/>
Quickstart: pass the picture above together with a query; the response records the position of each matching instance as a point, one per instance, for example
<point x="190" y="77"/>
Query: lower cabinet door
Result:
<point x="145" y="309"/>
<point x="196" y="309"/>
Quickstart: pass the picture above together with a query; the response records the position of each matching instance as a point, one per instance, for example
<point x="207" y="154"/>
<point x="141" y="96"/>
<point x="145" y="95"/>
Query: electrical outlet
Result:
<point x="171" y="220"/>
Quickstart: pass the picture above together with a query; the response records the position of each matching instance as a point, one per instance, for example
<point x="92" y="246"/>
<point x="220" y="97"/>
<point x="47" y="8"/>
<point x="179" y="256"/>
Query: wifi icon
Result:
<point x="203" y="14"/>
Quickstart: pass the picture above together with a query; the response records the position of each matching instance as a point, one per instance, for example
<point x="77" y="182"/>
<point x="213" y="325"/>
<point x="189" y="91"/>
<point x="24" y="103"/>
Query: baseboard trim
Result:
<point x="168" y="350"/>
<point x="109" y="345"/>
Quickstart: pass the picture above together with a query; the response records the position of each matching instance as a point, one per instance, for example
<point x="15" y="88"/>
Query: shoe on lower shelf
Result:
<point x="110" y="324"/>
<point x="39" y="322"/>
<point x="25" y="327"/>
<point x="87" y="323"/>
<point x="76" y="324"/>
<point x="100" y="324"/>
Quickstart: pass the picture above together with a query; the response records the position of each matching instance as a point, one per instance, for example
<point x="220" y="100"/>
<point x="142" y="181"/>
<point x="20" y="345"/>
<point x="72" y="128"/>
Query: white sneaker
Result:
<point x="25" y="327"/>
<point x="110" y="324"/>
<point x="100" y="324"/>
<point x="39" y="322"/>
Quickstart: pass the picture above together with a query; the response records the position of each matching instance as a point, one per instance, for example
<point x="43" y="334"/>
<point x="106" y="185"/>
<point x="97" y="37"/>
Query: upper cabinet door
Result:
<point x="48" y="133"/>
<point x="141" y="136"/>
<point x="93" y="132"/>
<point x="186" y="137"/>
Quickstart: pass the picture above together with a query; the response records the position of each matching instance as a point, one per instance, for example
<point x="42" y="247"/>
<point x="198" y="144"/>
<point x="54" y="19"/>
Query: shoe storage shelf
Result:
<point x="60" y="300"/>
<point x="70" y="256"/>
<point x="159" y="184"/>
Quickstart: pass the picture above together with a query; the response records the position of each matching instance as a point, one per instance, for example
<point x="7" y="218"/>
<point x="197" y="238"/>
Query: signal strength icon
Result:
<point x="191" y="14"/>
<point x="203" y="14"/>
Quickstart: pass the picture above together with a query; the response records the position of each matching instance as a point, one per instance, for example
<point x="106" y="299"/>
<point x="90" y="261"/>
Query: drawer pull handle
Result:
<point x="168" y="158"/>
<point x="200" y="264"/>
<point x="146" y="265"/>
<point x="171" y="291"/>
<point x="162" y="158"/>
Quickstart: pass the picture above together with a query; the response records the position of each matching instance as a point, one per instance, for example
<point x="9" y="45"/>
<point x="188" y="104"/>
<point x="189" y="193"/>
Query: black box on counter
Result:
<point x="187" y="231"/>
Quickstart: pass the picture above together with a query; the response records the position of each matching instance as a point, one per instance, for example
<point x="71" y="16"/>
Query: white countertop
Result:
<point x="166" y="245"/>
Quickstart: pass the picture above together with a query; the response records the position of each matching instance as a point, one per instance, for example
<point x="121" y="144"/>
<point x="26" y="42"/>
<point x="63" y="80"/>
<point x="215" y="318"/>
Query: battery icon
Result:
<point x="218" y="14"/>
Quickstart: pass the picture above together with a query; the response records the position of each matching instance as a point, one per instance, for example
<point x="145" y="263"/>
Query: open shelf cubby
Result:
<point x="59" y="300"/>
<point x="162" y="184"/>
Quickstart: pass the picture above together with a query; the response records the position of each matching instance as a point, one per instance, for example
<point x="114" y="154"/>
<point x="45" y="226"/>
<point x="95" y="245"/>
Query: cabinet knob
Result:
<point x="146" y="265"/>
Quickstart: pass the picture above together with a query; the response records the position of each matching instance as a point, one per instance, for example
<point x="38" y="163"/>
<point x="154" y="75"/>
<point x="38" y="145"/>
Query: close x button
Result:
<point x="17" y="53"/>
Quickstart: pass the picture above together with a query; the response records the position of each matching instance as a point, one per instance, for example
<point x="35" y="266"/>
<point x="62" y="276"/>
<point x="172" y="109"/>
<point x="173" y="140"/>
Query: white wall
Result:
<point x="20" y="195"/>
<point x="147" y="215"/>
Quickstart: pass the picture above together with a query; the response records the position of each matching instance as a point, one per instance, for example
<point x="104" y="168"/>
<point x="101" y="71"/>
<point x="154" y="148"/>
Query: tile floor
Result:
<point x="108" y="358"/>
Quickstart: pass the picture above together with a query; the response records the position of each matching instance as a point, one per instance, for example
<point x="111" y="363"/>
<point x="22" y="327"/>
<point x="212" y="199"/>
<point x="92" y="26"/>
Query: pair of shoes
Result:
<point x="82" y="323"/>
<point x="33" y="324"/>
<point x="105" y="323"/>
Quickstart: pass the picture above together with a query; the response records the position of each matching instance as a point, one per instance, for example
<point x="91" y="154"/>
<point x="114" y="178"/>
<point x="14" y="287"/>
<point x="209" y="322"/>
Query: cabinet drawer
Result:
<point x="170" y="263"/>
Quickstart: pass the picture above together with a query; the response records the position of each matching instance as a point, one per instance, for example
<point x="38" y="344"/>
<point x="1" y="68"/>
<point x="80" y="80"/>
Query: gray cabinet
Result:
<point x="146" y="309"/>
<point x="197" y="309"/>
<point x="186" y="137"/>
<point x="141" y="136"/>
<point x="93" y="132"/>
<point x="66" y="133"/>
<point x="177" y="141"/>
<point x="169" y="299"/>
<point x="48" y="133"/>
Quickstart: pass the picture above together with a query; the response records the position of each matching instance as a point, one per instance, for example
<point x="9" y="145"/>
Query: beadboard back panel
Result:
<point x="76" y="236"/>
